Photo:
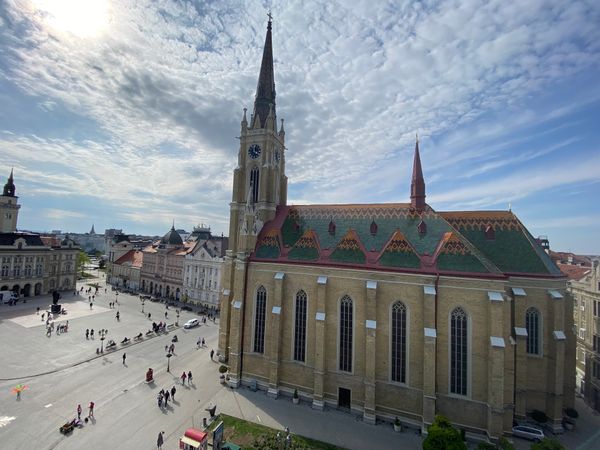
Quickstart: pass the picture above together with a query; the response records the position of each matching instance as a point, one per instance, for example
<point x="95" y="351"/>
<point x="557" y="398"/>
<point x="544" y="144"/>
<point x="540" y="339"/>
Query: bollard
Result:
<point x="204" y="423"/>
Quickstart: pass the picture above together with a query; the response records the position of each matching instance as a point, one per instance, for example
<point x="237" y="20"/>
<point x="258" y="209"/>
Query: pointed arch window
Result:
<point x="300" y="327"/>
<point x="398" y="344"/>
<point x="346" y="328"/>
<point x="254" y="184"/>
<point x="458" y="351"/>
<point x="259" y="320"/>
<point x="532" y="323"/>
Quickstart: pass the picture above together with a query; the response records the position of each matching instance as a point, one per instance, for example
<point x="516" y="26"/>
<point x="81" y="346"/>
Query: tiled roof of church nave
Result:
<point x="388" y="237"/>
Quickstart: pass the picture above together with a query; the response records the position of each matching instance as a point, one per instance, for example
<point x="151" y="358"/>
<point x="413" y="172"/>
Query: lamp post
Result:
<point x="102" y="334"/>
<point x="142" y="306"/>
<point x="168" y="362"/>
<point x="177" y="321"/>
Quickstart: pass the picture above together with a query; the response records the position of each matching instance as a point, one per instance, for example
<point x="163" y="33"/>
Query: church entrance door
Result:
<point x="344" y="396"/>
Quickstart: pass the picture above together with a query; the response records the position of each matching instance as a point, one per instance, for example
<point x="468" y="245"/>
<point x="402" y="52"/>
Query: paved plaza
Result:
<point x="62" y="371"/>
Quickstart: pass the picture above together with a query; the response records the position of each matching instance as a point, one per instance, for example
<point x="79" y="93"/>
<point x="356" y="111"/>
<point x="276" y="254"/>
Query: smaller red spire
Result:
<point x="417" y="185"/>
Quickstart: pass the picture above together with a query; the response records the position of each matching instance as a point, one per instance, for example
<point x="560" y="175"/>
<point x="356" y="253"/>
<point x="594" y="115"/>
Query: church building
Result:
<point x="388" y="310"/>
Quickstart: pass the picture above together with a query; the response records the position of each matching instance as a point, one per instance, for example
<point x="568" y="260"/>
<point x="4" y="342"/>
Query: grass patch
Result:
<point x="252" y="436"/>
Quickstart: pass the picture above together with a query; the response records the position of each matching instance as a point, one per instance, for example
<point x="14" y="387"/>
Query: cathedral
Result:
<point x="388" y="310"/>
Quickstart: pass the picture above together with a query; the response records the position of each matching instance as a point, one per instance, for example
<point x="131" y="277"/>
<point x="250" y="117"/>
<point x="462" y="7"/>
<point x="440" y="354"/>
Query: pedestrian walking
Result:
<point x="149" y="316"/>
<point x="198" y="342"/>
<point x="43" y="314"/>
<point x="159" y="441"/>
<point x="173" y="390"/>
<point x="212" y="352"/>
<point x="90" y="305"/>
<point x="166" y="349"/>
<point x="124" y="356"/>
<point x="91" y="409"/>
<point x="37" y="312"/>
<point x="172" y="348"/>
<point x="166" y="315"/>
<point x="183" y="377"/>
<point x="167" y="397"/>
<point x="203" y="342"/>
<point x="118" y="316"/>
<point x="190" y="377"/>
<point x="78" y="412"/>
<point x="92" y="333"/>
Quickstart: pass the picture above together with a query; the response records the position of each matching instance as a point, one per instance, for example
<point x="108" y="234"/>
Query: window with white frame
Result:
<point x="300" y="327"/>
<point x="346" y="320"/>
<point x="532" y="323"/>
<point x="398" y="342"/>
<point x="260" y="309"/>
<point x="459" y="348"/>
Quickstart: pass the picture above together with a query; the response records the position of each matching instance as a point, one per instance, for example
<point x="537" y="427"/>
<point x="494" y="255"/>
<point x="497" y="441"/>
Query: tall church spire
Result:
<point x="265" y="90"/>
<point x="417" y="185"/>
<point x="9" y="187"/>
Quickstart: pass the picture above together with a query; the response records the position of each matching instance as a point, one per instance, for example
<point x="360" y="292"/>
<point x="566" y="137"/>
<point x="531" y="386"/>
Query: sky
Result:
<point x="125" y="114"/>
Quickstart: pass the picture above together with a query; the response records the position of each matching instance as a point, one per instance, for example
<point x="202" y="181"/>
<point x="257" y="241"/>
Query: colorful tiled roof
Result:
<point x="132" y="258"/>
<point x="387" y="236"/>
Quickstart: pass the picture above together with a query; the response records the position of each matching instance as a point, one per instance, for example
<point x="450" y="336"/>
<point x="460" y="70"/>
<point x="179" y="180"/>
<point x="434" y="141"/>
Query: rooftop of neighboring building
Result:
<point x="572" y="272"/>
<point x="133" y="258"/>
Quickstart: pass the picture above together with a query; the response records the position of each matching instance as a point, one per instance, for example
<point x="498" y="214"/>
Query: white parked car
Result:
<point x="526" y="432"/>
<point x="191" y="323"/>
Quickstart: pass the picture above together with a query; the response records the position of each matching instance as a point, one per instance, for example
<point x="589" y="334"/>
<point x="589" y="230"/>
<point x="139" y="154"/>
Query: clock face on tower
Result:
<point x="254" y="151"/>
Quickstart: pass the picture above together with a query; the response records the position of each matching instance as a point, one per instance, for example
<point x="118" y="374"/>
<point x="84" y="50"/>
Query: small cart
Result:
<point x="193" y="440"/>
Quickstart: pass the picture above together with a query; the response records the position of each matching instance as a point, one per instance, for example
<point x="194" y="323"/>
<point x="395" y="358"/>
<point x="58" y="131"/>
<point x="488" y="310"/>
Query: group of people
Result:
<point x="90" y="410"/>
<point x="164" y="395"/>
<point x="187" y="377"/>
<point x="60" y="328"/>
<point x="159" y="327"/>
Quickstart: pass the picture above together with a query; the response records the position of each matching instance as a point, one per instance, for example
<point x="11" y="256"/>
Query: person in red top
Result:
<point x="79" y="412"/>
<point x="91" y="408"/>
<point x="183" y="377"/>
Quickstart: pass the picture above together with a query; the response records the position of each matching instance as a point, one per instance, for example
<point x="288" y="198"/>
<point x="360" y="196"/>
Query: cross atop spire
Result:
<point x="265" y="89"/>
<point x="417" y="185"/>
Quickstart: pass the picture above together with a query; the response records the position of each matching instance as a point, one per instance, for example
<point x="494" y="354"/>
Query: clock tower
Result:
<point x="259" y="187"/>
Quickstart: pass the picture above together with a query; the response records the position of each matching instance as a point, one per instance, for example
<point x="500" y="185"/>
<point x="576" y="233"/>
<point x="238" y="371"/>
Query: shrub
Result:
<point x="223" y="368"/>
<point x="548" y="444"/>
<point x="397" y="422"/>
<point x="486" y="446"/>
<point x="463" y="434"/>
<point x="442" y="435"/>
<point x="505" y="444"/>
<point x="572" y="413"/>
<point x="539" y="416"/>
<point x="295" y="393"/>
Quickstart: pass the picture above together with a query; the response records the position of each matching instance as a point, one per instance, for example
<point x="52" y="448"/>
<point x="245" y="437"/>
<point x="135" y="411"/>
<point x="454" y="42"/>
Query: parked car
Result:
<point x="8" y="297"/>
<point x="191" y="323"/>
<point x="527" y="432"/>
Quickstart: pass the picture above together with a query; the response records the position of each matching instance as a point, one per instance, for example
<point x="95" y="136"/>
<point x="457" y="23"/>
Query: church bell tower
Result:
<point x="259" y="187"/>
<point x="259" y="181"/>
<point x="9" y="209"/>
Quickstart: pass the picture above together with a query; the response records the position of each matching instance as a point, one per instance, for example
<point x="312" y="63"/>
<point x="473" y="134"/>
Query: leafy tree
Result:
<point x="82" y="260"/>
<point x="505" y="444"/>
<point x="443" y="436"/>
<point x="547" y="444"/>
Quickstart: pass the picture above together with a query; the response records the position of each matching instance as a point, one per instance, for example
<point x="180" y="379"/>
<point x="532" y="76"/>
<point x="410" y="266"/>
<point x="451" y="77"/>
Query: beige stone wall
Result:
<point x="489" y="404"/>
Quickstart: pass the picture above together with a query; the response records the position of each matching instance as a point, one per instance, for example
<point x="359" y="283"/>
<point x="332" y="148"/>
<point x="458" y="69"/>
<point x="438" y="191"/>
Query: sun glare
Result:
<point x="82" y="18"/>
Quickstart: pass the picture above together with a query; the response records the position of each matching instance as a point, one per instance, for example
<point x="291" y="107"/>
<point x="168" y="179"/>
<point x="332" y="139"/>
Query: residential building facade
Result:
<point x="126" y="271"/>
<point x="388" y="309"/>
<point x="202" y="268"/>
<point x="586" y="314"/>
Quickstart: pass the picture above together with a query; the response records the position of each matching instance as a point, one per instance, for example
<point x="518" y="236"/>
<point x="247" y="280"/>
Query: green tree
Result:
<point x="547" y="444"/>
<point x="441" y="435"/>
<point x="82" y="260"/>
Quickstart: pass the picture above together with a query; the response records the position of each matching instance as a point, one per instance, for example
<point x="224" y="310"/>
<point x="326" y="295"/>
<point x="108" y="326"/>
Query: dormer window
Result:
<point x="331" y="227"/>
<point x="490" y="233"/>
<point x="422" y="228"/>
<point x="373" y="228"/>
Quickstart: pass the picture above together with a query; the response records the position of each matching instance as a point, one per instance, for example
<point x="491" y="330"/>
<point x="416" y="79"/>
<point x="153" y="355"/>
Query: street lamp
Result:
<point x="102" y="334"/>
<point x="142" y="306"/>
<point x="177" y="322"/>
<point x="168" y="362"/>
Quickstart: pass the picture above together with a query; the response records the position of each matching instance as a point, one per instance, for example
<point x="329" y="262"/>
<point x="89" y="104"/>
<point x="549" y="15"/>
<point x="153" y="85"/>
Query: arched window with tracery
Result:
<point x="300" y="327"/>
<point x="459" y="351"/>
<point x="398" y="342"/>
<point x="254" y="184"/>
<point x="346" y="328"/>
<point x="532" y="323"/>
<point x="260" y="310"/>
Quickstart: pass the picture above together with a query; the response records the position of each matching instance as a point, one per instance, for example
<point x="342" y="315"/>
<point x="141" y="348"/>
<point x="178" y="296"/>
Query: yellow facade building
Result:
<point x="388" y="309"/>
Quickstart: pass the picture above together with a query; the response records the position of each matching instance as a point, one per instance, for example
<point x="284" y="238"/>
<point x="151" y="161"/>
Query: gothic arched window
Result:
<point x="254" y="184"/>
<point x="260" y="309"/>
<point x="300" y="327"/>
<point x="345" y="351"/>
<point x="398" y="342"/>
<point x="532" y="323"/>
<point x="458" y="351"/>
